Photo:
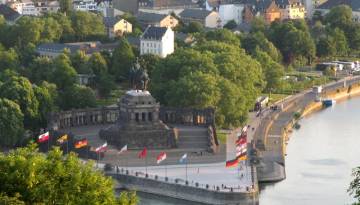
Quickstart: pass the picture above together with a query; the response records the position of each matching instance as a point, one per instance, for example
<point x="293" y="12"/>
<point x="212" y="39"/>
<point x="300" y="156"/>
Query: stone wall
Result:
<point x="190" y="191"/>
<point x="109" y="115"/>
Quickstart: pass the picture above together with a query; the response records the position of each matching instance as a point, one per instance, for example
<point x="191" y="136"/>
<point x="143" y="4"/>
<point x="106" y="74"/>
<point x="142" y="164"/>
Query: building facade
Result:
<point x="158" y="41"/>
<point x="209" y="19"/>
<point x="228" y="12"/>
<point x="115" y="27"/>
<point x="154" y="19"/>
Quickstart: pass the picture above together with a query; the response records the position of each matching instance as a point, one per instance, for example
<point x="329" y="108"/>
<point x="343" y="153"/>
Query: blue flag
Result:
<point x="183" y="158"/>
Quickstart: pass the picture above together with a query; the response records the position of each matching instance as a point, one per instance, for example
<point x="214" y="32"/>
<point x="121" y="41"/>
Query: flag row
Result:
<point x="45" y="137"/>
<point x="240" y="150"/>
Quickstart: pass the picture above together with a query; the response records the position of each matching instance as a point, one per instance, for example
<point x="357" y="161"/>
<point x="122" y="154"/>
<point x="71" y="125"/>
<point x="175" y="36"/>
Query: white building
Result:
<point x="85" y="5"/>
<point x="158" y="41"/>
<point x="230" y="12"/>
<point x="31" y="8"/>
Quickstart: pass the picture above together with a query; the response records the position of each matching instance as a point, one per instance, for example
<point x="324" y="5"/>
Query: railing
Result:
<point x="209" y="187"/>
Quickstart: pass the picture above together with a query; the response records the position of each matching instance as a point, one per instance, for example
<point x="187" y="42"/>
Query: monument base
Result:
<point x="138" y="136"/>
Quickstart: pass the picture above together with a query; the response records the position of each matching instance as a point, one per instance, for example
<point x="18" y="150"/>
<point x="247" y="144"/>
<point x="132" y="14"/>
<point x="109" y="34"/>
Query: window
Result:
<point x="143" y="116"/>
<point x="137" y="117"/>
<point x="150" y="116"/>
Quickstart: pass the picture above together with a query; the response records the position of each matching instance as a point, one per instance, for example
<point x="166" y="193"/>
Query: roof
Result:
<point x="169" y="3"/>
<point x="216" y="3"/>
<point x="354" y="4"/>
<point x="150" y="17"/>
<point x="8" y="13"/>
<point x="154" y="32"/>
<point x="195" y="13"/>
<point x="88" y="47"/>
<point x="110" y="21"/>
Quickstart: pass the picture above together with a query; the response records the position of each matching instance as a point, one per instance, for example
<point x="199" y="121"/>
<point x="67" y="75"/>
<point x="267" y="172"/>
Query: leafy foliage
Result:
<point x="11" y="122"/>
<point x="35" y="178"/>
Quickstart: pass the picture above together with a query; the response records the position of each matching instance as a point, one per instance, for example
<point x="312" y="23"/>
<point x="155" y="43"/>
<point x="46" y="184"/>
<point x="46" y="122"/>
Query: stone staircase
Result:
<point x="193" y="138"/>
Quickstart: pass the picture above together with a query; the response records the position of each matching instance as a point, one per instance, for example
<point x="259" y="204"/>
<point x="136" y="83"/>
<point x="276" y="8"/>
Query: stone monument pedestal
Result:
<point x="139" y="125"/>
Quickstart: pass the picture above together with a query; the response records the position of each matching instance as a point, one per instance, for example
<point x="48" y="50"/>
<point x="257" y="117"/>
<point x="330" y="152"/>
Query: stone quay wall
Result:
<point x="186" y="190"/>
<point x="272" y="154"/>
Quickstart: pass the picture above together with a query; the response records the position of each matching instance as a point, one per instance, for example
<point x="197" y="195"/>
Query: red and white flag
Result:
<point x="161" y="157"/>
<point x="44" y="137"/>
<point x="143" y="153"/>
<point x="102" y="148"/>
<point x="124" y="149"/>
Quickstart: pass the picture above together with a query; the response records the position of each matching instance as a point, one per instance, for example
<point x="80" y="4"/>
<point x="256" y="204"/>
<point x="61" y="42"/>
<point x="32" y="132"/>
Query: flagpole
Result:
<point x="98" y="159"/>
<point x="48" y="142"/>
<point x="67" y="146"/>
<point x="186" y="174"/>
<point x="145" y="164"/>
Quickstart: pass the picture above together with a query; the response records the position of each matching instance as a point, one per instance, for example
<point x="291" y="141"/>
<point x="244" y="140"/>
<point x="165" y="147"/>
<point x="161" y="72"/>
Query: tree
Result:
<point x="68" y="33"/>
<point x="9" y="60"/>
<point x="28" y="30"/>
<point x="66" y="6"/>
<point x="36" y="178"/>
<point x="40" y="69"/>
<point x="52" y="29"/>
<point x="354" y="188"/>
<point x="87" y="26"/>
<point x="11" y="122"/>
<point x="272" y="70"/>
<point x="46" y="97"/>
<point x="223" y="35"/>
<point x="64" y="74"/>
<point x="97" y="64"/>
<point x="79" y="61"/>
<point x="230" y="25"/>
<point x="207" y="75"/>
<point x="194" y="27"/>
<point x="258" y="25"/>
<point x="294" y="41"/>
<point x="77" y="96"/>
<point x="258" y="40"/>
<point x="339" y="41"/>
<point x="19" y="90"/>
<point x="103" y="81"/>
<point x="339" y="16"/>
<point x="325" y="47"/>
<point x="148" y="62"/>
<point x="122" y="60"/>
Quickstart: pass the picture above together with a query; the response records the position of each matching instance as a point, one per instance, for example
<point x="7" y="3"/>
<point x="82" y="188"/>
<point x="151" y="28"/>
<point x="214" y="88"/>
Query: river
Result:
<point x="319" y="160"/>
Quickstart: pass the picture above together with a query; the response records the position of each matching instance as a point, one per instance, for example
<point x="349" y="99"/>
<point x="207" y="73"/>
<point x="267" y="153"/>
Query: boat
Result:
<point x="328" y="102"/>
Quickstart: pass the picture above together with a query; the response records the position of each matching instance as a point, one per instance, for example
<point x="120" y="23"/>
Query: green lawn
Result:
<point x="274" y="97"/>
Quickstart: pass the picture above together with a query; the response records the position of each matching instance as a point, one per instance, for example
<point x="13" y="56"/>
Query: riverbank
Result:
<point x="337" y="95"/>
<point x="272" y="136"/>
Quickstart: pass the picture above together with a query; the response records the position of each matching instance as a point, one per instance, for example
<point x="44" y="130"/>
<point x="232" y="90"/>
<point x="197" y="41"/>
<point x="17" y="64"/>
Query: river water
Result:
<point x="319" y="160"/>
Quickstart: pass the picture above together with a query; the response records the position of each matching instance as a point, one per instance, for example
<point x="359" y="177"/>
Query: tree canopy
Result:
<point x="11" y="122"/>
<point x="212" y="74"/>
<point x="34" y="178"/>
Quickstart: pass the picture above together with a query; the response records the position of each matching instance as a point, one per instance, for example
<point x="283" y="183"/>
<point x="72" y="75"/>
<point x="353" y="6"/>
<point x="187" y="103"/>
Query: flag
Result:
<point x="81" y="143"/>
<point x="183" y="158"/>
<point x="62" y="139"/>
<point x="44" y="137"/>
<point x="143" y="153"/>
<point x="232" y="163"/>
<point x="101" y="148"/>
<point x="161" y="157"/>
<point x="241" y="140"/>
<point x="123" y="149"/>
<point x="241" y="157"/>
